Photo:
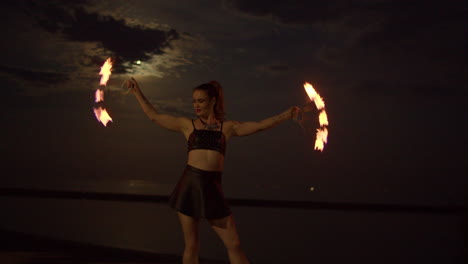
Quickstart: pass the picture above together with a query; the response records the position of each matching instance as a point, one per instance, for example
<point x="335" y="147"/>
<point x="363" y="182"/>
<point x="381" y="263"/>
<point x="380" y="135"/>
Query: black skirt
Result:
<point x="199" y="194"/>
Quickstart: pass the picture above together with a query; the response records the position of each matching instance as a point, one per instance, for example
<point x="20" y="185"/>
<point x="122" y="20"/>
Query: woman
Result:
<point x="198" y="194"/>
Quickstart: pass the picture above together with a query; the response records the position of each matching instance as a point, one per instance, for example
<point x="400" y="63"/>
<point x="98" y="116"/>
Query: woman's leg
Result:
<point x="192" y="242"/>
<point x="226" y="230"/>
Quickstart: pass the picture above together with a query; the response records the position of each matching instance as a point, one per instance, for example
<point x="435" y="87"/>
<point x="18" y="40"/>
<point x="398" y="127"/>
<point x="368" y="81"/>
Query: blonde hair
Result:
<point x="214" y="89"/>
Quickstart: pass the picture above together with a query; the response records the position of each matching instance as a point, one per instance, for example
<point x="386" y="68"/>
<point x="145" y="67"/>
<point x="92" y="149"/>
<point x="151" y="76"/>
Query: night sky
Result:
<point x="393" y="75"/>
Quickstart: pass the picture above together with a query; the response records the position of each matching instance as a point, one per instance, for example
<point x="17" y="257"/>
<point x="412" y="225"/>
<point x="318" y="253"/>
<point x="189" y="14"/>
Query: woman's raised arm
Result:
<point x="167" y="121"/>
<point x="241" y="129"/>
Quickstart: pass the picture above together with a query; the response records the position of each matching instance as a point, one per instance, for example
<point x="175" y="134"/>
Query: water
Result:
<point x="268" y="234"/>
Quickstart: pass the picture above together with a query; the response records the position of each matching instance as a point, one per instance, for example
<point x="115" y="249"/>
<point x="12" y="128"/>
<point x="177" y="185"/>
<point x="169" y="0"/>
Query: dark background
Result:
<point x="393" y="76"/>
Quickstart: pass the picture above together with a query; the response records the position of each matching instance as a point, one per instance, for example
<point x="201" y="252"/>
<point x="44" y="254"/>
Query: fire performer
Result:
<point x="198" y="193"/>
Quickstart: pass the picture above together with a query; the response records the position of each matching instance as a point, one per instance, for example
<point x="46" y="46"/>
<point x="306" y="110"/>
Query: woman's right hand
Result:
<point x="132" y="85"/>
<point x="294" y="112"/>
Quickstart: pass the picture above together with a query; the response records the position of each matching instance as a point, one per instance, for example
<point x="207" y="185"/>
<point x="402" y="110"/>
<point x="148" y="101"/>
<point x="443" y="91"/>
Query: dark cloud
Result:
<point x="178" y="107"/>
<point x="395" y="88"/>
<point x="125" y="43"/>
<point x="44" y="78"/>
<point x="293" y="12"/>
<point x="420" y="44"/>
<point x="411" y="14"/>
<point x="408" y="21"/>
<point x="273" y="68"/>
<point x="393" y="22"/>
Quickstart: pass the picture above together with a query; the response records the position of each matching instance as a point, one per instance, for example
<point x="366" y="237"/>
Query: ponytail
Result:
<point x="214" y="89"/>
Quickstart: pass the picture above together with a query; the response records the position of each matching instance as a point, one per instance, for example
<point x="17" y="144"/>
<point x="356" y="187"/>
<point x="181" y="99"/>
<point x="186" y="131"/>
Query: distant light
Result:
<point x="312" y="189"/>
<point x="138" y="62"/>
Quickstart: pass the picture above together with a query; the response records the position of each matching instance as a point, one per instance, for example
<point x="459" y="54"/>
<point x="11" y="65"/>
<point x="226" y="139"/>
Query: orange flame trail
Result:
<point x="101" y="113"/>
<point x="105" y="72"/>
<point x="99" y="96"/>
<point x="322" y="132"/>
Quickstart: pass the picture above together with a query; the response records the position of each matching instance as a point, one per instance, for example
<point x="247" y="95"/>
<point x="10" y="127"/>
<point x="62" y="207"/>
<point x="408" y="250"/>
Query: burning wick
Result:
<point x="101" y="113"/>
<point x="99" y="96"/>
<point x="322" y="132"/>
<point x="105" y="72"/>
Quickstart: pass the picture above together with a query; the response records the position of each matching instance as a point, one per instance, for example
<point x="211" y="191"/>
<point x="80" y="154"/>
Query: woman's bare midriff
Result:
<point x="206" y="159"/>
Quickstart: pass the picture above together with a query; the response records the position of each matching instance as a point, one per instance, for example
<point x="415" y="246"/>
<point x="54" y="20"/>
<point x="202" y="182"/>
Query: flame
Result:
<point x="323" y="119"/>
<point x="314" y="96"/>
<point x="321" y="138"/>
<point x="105" y="71"/>
<point x="310" y="91"/>
<point x="99" y="96"/>
<point x="322" y="132"/>
<point x="102" y="115"/>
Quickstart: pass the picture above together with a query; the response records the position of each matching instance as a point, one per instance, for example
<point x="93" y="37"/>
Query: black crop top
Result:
<point x="207" y="139"/>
